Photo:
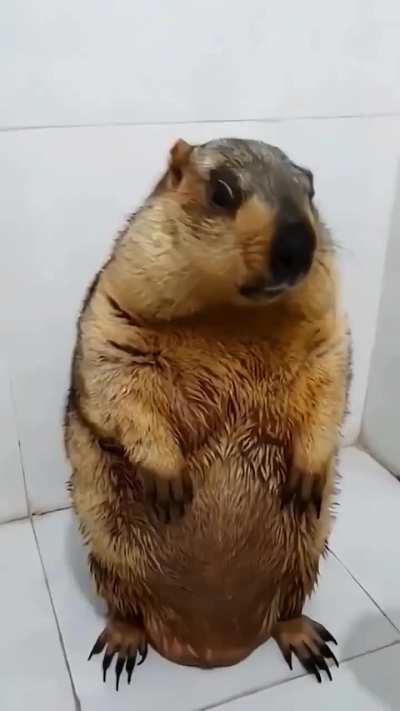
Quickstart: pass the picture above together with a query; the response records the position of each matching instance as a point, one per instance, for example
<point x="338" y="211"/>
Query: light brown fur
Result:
<point x="178" y="379"/>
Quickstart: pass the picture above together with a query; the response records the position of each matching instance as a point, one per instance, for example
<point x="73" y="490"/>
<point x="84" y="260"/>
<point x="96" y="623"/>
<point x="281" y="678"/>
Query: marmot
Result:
<point x="208" y="389"/>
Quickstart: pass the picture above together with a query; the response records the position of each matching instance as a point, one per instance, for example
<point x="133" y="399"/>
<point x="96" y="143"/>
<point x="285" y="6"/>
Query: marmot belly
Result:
<point x="209" y="587"/>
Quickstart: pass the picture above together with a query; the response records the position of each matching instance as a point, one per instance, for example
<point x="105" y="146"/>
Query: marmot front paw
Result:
<point x="168" y="498"/>
<point x="304" y="488"/>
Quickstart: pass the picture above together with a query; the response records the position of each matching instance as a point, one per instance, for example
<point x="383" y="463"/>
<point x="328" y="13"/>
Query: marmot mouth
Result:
<point x="263" y="291"/>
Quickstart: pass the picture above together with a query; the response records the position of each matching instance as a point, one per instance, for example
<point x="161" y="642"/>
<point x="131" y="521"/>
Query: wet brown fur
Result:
<point x="173" y="372"/>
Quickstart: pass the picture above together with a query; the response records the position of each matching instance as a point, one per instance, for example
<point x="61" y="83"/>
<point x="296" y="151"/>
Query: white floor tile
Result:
<point x="367" y="534"/>
<point x="339" y="604"/>
<point x="370" y="683"/>
<point x="32" y="668"/>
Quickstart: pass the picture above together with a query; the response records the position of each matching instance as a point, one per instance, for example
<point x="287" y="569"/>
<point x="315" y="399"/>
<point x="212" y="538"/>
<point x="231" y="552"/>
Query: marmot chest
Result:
<point x="231" y="397"/>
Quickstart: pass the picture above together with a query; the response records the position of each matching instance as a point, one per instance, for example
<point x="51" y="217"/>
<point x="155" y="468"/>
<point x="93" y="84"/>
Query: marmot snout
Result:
<point x="207" y="393"/>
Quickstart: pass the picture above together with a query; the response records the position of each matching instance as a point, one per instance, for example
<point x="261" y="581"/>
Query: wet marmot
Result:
<point x="208" y="389"/>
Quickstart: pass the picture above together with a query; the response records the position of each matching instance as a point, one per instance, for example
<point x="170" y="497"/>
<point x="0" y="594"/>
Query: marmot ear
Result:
<point x="178" y="158"/>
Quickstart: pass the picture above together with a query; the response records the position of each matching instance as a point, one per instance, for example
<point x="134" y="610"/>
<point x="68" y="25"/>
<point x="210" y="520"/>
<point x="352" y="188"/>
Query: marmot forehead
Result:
<point x="243" y="153"/>
<point x="259" y="167"/>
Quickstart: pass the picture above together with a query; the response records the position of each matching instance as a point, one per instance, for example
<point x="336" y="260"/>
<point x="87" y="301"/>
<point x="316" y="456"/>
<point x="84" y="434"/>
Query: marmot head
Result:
<point x="231" y="221"/>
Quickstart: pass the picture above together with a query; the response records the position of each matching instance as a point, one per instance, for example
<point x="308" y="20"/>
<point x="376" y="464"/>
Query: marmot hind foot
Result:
<point x="308" y="641"/>
<point x="126" y="639"/>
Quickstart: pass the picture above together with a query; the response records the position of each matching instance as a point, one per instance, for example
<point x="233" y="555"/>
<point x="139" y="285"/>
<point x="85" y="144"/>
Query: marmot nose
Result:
<point x="292" y="250"/>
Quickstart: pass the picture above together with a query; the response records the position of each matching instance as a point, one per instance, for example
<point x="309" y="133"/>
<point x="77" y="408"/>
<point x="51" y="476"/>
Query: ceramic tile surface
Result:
<point x="73" y="63"/>
<point x="367" y="535"/>
<point x="32" y="668"/>
<point x="339" y="603"/>
<point x="92" y="97"/>
<point x="370" y="683"/>
<point x="380" y="425"/>
<point x="12" y="498"/>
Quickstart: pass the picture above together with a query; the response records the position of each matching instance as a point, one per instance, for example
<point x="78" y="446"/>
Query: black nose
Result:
<point x="292" y="250"/>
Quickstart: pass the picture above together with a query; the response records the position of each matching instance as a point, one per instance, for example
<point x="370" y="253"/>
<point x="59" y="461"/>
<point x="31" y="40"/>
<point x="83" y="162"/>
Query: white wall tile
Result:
<point x="98" y="61"/>
<point x="12" y="494"/>
<point x="64" y="195"/>
<point x="381" y="418"/>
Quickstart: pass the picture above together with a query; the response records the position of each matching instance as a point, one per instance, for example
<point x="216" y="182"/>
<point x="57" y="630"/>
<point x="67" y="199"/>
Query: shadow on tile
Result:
<point x="76" y="555"/>
<point x="381" y="679"/>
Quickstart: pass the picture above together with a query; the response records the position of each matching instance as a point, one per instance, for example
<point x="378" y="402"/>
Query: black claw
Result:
<point x="288" y="658"/>
<point x="287" y="498"/>
<point x="324" y="634"/>
<point x="150" y="492"/>
<point x="162" y="512"/>
<point x="106" y="663"/>
<point x="118" y="670"/>
<point x="179" y="499"/>
<point x="143" y="654"/>
<point x="317" y="674"/>
<point x="310" y="666"/>
<point x="318" y="662"/>
<point x="171" y="493"/>
<point x="98" y="647"/>
<point x="130" y="665"/>
<point x="187" y="492"/>
<point x="332" y="656"/>
<point x="324" y="649"/>
<point x="324" y="667"/>
<point x="302" y="506"/>
<point x="318" y="505"/>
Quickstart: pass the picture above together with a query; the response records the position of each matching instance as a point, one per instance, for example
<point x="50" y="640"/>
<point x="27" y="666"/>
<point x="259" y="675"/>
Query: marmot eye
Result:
<point x="223" y="195"/>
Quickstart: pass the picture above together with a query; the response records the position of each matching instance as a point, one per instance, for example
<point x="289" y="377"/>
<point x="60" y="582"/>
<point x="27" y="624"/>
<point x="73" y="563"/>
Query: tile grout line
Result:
<point x="15" y="519"/>
<point x="257" y="690"/>
<point x="78" y="706"/>
<point x="27" y="517"/>
<point x="64" y="507"/>
<point x="21" y="458"/>
<point x="368" y="594"/>
<point x="195" y="122"/>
